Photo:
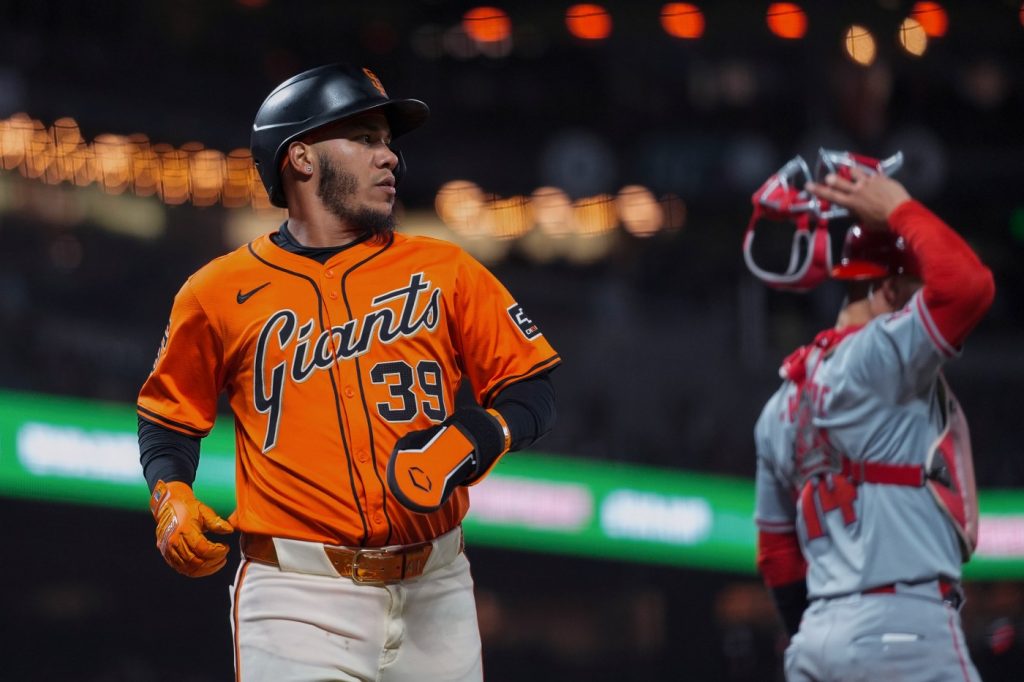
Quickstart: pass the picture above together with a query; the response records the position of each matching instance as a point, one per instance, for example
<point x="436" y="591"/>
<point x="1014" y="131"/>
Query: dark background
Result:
<point x="670" y="346"/>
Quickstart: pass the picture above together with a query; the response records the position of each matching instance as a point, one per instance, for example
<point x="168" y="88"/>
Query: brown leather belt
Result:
<point x="364" y="565"/>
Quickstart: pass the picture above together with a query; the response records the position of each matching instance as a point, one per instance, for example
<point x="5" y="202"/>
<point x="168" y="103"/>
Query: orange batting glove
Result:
<point x="427" y="465"/>
<point x="181" y="521"/>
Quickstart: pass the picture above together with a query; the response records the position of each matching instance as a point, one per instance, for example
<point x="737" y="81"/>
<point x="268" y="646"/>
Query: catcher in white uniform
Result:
<point x="865" y="488"/>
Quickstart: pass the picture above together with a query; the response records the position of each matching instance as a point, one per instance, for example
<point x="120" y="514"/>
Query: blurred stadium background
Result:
<point x="600" y="159"/>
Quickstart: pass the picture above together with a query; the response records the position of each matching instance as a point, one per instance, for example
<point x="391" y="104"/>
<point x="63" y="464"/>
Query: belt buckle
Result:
<point x="363" y="575"/>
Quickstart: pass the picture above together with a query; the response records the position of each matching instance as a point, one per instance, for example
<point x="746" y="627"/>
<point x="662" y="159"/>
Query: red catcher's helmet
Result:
<point x="873" y="254"/>
<point x="783" y="199"/>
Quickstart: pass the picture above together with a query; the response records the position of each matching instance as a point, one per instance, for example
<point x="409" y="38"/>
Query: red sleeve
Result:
<point x="958" y="288"/>
<point x="779" y="559"/>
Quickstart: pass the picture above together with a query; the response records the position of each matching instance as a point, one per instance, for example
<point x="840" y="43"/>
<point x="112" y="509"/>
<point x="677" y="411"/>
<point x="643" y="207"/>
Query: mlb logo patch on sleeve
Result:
<point x="525" y="324"/>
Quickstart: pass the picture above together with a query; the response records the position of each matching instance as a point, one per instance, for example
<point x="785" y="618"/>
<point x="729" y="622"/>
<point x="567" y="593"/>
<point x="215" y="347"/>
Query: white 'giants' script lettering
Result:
<point x="343" y="342"/>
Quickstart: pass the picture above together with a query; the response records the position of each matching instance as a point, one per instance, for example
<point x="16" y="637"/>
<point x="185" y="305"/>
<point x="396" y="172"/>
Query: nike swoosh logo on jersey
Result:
<point x="242" y="298"/>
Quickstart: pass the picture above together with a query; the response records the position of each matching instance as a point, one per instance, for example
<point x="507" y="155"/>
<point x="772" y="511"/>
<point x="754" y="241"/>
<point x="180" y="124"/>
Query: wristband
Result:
<point x="505" y="433"/>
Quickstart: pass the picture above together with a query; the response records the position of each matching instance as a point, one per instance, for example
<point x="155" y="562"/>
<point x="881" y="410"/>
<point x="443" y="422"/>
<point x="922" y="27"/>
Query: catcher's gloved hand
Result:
<point x="427" y="465"/>
<point x="181" y="521"/>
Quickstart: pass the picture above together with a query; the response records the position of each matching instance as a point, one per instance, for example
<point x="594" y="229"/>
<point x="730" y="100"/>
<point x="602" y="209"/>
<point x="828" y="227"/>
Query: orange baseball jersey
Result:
<point x="327" y="365"/>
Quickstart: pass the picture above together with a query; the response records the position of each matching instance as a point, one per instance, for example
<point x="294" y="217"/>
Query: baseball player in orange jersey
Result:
<point x="340" y="346"/>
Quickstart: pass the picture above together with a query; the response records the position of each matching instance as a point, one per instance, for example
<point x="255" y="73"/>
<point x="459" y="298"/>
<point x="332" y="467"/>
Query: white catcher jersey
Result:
<point x="874" y="397"/>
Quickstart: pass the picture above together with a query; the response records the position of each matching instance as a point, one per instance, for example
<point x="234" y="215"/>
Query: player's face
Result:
<point x="356" y="172"/>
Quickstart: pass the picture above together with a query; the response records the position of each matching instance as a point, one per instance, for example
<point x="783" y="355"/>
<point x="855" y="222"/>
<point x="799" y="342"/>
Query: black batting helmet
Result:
<point x="313" y="99"/>
<point x="874" y="254"/>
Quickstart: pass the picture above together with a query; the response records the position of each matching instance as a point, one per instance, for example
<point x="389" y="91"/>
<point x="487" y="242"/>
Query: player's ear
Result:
<point x="893" y="293"/>
<point x="301" y="158"/>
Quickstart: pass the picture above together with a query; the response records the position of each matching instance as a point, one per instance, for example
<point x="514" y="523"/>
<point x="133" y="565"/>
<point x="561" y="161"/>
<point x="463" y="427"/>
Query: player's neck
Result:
<point x="323" y="233"/>
<point x="856" y="313"/>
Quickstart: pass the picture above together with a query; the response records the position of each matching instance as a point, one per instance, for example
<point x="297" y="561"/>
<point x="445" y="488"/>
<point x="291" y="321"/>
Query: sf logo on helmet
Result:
<point x="375" y="82"/>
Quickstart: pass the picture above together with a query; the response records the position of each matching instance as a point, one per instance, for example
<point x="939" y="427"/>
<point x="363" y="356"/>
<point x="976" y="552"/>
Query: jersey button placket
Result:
<point x="330" y="285"/>
<point x="355" y="405"/>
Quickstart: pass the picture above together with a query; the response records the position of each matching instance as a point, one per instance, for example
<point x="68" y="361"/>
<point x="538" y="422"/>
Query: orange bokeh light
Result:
<point x="682" y="20"/>
<point x="932" y="17"/>
<point x="786" y="20"/>
<point x="588" y="22"/>
<point x="860" y="45"/>
<point x="487" y="24"/>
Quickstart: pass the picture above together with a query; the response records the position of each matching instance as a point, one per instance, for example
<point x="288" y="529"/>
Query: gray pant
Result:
<point x="879" y="637"/>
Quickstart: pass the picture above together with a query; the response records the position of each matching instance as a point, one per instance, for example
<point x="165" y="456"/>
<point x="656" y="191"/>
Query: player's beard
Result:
<point x="336" y="190"/>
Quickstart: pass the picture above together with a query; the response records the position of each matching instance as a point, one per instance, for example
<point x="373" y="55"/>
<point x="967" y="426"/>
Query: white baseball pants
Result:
<point x="296" y="627"/>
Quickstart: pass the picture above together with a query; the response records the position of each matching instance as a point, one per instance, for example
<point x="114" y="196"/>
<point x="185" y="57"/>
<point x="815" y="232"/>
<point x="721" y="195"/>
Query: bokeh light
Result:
<point x="932" y="17"/>
<point x="509" y="218"/>
<point x="786" y="20"/>
<point x="119" y="163"/>
<point x="206" y="176"/>
<point x="912" y="37"/>
<point x="487" y="24"/>
<point x="145" y="166"/>
<point x="594" y="215"/>
<point x="173" y="187"/>
<point x="67" y="160"/>
<point x="459" y="204"/>
<point x="552" y="211"/>
<point x="237" y="166"/>
<point x="113" y="163"/>
<point x="860" y="45"/>
<point x="588" y="22"/>
<point x="640" y="212"/>
<point x="682" y="20"/>
<point x="38" y="151"/>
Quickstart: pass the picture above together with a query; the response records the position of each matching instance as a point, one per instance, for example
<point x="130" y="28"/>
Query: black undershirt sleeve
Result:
<point x="528" y="408"/>
<point x="167" y="455"/>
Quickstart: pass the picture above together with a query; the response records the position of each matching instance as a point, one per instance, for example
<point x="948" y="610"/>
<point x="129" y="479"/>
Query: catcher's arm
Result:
<point x="783" y="569"/>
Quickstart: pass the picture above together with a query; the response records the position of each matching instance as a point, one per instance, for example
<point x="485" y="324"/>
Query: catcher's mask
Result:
<point x="316" y="98"/>
<point x="783" y="199"/>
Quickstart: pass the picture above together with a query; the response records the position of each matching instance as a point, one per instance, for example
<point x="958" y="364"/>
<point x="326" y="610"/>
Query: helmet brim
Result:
<point x="403" y="115"/>
<point x="859" y="271"/>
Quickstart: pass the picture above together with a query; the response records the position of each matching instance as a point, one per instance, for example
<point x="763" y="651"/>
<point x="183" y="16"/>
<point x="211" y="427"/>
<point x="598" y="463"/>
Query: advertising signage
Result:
<point x="70" y="450"/>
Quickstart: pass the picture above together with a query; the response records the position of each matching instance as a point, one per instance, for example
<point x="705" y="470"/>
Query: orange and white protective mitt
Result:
<point x="181" y="521"/>
<point x="427" y="465"/>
